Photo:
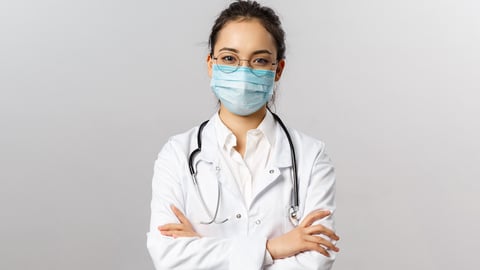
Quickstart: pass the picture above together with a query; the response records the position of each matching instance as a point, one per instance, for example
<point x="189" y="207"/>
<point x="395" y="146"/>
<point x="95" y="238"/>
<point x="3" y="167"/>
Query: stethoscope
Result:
<point x="293" y="210"/>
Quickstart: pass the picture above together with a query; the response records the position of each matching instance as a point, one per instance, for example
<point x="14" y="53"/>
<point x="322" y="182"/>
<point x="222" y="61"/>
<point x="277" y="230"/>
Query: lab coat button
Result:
<point x="239" y="216"/>
<point x="271" y="171"/>
<point x="217" y="168"/>
<point x="258" y="221"/>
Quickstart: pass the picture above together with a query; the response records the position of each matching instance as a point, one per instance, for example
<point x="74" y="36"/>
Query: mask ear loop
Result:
<point x="271" y="106"/>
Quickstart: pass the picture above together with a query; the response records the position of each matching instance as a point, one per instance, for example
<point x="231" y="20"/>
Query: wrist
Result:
<point x="271" y="249"/>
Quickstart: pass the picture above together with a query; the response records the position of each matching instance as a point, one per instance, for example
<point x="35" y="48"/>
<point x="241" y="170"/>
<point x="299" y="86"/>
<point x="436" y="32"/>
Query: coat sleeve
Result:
<point x="191" y="252"/>
<point x="320" y="194"/>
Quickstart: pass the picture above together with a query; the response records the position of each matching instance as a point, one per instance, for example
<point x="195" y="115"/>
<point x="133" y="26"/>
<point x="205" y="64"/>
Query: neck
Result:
<point x="239" y="125"/>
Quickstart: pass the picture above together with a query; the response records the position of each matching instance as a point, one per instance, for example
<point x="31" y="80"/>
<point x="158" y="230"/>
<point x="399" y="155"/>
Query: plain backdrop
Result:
<point x="90" y="91"/>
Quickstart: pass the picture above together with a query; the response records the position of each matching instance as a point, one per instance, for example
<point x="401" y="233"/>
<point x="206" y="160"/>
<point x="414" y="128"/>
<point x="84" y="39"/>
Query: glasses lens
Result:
<point x="227" y="62"/>
<point x="262" y="62"/>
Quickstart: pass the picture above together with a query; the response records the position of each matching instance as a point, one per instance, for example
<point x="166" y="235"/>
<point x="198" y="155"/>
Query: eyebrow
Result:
<point x="237" y="51"/>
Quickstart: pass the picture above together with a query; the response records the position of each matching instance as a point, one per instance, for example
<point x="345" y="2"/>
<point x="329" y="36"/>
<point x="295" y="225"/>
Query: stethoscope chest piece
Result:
<point x="294" y="218"/>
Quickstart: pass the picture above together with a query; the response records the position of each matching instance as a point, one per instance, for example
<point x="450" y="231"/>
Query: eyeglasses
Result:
<point x="229" y="62"/>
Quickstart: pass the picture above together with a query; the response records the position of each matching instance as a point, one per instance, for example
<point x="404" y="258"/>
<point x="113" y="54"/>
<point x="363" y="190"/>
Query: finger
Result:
<point x="318" y="248"/>
<point x="167" y="233"/>
<point x="171" y="227"/>
<point x="314" y="216"/>
<point x="181" y="217"/>
<point x="176" y="234"/>
<point x="320" y="229"/>
<point x="321" y="241"/>
<point x="171" y="232"/>
<point x="185" y="234"/>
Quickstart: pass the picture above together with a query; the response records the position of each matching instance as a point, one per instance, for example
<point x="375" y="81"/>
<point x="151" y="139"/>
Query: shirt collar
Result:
<point x="227" y="139"/>
<point x="267" y="127"/>
<point x="225" y="136"/>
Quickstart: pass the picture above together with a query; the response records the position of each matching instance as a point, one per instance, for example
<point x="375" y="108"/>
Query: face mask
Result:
<point x="241" y="91"/>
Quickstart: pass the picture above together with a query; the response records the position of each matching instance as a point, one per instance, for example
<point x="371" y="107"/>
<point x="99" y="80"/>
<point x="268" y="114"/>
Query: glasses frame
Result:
<point x="215" y="59"/>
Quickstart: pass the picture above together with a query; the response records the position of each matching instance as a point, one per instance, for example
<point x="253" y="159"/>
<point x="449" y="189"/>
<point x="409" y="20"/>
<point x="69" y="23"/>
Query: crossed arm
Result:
<point x="305" y="237"/>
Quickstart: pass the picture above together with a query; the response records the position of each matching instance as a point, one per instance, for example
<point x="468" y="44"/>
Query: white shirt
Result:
<point x="249" y="170"/>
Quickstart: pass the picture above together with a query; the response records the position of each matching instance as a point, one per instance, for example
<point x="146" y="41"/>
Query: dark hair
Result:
<point x="250" y="10"/>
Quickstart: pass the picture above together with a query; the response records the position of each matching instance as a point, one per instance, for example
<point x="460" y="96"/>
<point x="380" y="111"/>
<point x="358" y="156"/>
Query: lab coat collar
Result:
<point x="281" y="157"/>
<point x="227" y="140"/>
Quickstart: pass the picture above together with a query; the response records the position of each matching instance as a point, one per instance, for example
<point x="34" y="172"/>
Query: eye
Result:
<point x="261" y="61"/>
<point x="228" y="59"/>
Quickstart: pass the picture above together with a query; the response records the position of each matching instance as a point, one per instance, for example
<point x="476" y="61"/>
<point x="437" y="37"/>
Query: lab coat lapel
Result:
<point x="280" y="159"/>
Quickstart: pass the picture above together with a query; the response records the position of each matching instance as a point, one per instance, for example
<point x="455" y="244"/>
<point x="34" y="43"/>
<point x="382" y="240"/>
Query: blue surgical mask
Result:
<point x="241" y="91"/>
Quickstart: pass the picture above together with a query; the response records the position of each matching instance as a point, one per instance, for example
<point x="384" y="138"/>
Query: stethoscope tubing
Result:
<point x="294" y="206"/>
<point x="295" y="202"/>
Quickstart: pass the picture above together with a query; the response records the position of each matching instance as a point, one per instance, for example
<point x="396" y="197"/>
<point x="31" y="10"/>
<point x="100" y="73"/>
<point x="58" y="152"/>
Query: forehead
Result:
<point x="246" y="36"/>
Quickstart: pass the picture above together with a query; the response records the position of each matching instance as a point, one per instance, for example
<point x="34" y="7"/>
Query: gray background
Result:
<point x="91" y="90"/>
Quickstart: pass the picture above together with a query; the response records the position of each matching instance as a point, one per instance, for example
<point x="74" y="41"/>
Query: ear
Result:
<point x="280" y="67"/>
<point x="209" y="65"/>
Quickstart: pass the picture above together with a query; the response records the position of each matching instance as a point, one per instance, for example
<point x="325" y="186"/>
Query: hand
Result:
<point x="304" y="238"/>
<point x="184" y="229"/>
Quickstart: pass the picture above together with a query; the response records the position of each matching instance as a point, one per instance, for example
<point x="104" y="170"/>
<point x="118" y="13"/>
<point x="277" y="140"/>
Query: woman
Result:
<point x="224" y="193"/>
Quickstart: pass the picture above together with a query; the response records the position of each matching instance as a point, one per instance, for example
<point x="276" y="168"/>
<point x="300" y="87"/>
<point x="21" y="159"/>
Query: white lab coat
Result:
<point x="239" y="243"/>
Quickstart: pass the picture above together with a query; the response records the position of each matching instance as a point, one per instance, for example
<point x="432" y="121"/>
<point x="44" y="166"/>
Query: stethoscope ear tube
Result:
<point x="191" y="167"/>
<point x="196" y="151"/>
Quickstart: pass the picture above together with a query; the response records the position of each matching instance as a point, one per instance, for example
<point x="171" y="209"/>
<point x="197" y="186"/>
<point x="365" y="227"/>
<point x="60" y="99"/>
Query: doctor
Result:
<point x="234" y="193"/>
